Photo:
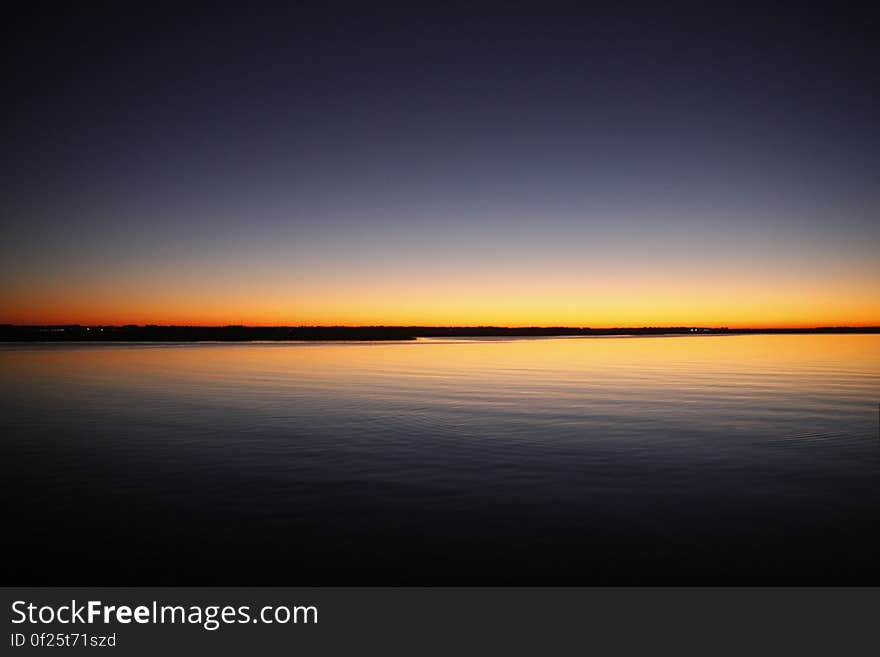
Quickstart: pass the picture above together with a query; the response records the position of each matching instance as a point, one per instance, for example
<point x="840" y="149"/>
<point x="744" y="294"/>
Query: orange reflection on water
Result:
<point x="476" y="361"/>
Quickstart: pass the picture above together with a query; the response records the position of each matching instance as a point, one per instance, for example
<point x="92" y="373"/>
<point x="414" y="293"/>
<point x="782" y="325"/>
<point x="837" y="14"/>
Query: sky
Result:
<point x="452" y="164"/>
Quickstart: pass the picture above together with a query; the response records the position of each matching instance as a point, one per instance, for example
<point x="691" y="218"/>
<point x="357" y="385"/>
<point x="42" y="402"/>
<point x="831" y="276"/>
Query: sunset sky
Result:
<point x="513" y="166"/>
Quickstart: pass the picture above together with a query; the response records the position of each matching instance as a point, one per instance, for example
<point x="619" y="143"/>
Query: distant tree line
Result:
<point x="154" y="333"/>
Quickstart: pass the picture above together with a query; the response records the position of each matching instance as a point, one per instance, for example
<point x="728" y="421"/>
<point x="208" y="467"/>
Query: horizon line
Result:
<point x="426" y="330"/>
<point x="583" y="327"/>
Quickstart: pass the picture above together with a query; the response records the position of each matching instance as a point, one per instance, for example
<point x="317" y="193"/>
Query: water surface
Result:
<point x="704" y="459"/>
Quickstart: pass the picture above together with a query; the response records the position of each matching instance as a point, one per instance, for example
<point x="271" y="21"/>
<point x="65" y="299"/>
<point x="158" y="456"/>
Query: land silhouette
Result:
<point x="156" y="333"/>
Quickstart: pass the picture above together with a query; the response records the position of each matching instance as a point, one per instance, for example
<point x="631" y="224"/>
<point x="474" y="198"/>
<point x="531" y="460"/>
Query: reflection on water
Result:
<point x="748" y="459"/>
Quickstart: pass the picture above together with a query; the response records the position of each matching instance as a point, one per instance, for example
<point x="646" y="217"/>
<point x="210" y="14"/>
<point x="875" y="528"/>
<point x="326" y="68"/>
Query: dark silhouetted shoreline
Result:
<point x="153" y="333"/>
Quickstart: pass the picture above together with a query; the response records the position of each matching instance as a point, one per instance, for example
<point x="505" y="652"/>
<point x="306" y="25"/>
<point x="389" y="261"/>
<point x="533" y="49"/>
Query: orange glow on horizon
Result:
<point x="476" y="311"/>
<point x="467" y="297"/>
<point x="418" y="282"/>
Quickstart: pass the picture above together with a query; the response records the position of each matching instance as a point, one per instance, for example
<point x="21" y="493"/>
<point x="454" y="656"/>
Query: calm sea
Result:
<point x="679" y="460"/>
